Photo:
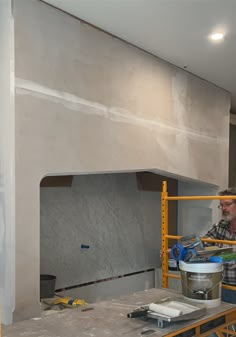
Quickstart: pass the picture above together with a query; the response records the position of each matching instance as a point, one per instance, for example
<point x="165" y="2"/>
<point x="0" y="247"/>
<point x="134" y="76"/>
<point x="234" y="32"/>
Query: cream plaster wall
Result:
<point x="7" y="164"/>
<point x="87" y="102"/>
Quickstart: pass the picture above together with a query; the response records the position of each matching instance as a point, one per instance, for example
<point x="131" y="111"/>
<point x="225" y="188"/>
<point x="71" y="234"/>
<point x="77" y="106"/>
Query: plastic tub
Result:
<point x="201" y="282"/>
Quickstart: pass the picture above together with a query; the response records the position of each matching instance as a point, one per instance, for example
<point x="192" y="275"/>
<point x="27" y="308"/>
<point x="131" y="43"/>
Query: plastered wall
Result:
<point x="107" y="213"/>
<point x="89" y="103"/>
<point x="101" y="89"/>
<point x="7" y="164"/>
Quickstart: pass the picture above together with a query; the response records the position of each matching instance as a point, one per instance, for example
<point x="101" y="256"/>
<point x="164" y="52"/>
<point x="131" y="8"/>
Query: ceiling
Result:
<point x="174" y="30"/>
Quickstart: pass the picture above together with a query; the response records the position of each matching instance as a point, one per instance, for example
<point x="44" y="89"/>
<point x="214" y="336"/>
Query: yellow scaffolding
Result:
<point x="229" y="317"/>
<point x="164" y="230"/>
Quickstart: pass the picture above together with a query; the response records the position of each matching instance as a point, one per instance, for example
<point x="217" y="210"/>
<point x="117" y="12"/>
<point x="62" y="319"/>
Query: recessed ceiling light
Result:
<point x="217" y="36"/>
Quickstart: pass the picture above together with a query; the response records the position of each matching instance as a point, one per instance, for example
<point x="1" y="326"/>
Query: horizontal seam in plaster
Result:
<point x="73" y="102"/>
<point x="105" y="280"/>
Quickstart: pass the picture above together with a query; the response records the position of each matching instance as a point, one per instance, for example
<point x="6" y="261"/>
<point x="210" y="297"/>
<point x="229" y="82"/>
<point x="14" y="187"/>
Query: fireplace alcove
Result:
<point x="100" y="234"/>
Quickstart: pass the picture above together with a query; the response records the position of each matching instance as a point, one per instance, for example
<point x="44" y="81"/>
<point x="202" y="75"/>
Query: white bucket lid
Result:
<point x="205" y="267"/>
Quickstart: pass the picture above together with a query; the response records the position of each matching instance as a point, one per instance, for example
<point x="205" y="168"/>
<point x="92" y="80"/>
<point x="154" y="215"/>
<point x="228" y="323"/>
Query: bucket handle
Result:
<point x="204" y="292"/>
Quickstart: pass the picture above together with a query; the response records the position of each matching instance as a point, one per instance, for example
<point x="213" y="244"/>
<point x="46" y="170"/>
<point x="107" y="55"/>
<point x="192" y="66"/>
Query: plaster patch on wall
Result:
<point x="179" y="95"/>
<point x="73" y="102"/>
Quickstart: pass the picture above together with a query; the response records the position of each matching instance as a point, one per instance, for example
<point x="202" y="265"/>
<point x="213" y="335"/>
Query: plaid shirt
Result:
<point x="220" y="231"/>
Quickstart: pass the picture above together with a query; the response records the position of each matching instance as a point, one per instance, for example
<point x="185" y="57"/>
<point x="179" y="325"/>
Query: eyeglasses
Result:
<point x="226" y="204"/>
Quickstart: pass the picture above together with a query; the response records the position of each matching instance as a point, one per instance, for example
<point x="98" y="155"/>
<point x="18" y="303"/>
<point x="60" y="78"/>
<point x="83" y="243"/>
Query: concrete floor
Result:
<point x="106" y="318"/>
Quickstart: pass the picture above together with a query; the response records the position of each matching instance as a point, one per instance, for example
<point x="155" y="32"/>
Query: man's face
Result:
<point x="228" y="209"/>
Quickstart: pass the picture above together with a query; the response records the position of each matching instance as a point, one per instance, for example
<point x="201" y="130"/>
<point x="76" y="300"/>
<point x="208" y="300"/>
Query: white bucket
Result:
<point x="202" y="282"/>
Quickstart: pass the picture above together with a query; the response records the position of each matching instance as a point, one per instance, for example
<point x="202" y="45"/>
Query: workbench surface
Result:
<point x="109" y="319"/>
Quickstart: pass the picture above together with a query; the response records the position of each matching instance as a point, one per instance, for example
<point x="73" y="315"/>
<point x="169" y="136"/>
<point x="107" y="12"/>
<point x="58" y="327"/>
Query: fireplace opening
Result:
<point x="100" y="234"/>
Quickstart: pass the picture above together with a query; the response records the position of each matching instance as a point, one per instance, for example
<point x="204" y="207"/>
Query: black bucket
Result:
<point x="47" y="286"/>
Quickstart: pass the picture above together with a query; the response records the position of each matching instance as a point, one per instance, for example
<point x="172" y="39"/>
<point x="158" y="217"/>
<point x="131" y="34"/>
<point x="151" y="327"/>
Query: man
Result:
<point x="225" y="229"/>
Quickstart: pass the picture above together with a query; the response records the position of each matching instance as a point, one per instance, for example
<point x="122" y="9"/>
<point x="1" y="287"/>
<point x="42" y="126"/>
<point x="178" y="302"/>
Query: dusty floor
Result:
<point x="107" y="318"/>
<point x="67" y="323"/>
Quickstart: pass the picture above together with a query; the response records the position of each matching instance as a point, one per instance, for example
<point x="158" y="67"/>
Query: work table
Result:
<point x="109" y="319"/>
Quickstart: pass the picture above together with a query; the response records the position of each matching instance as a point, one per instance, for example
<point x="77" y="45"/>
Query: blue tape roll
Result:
<point x="178" y="252"/>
